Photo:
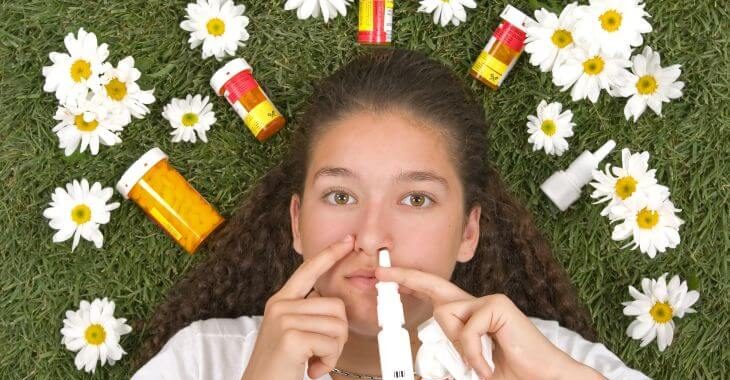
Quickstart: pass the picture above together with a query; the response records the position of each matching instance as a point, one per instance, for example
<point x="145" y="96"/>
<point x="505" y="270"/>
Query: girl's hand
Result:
<point x="300" y="326"/>
<point x="521" y="351"/>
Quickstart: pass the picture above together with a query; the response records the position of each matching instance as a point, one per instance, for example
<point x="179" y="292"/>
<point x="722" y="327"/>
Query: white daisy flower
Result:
<point x="119" y="85"/>
<point x="655" y="308"/>
<point x="217" y="24"/>
<point x="618" y="184"/>
<point x="589" y="72"/>
<point x="94" y="333"/>
<point x="550" y="127"/>
<point x="445" y="11"/>
<point x="87" y="122"/>
<point x="649" y="221"/>
<point x="73" y="73"/>
<point x="550" y="37"/>
<point x="78" y="211"/>
<point x="188" y="116"/>
<point x="614" y="25"/>
<point x="329" y="9"/>
<point x="650" y="84"/>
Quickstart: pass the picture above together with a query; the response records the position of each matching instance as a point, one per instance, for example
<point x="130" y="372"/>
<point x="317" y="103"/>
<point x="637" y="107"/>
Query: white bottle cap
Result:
<point x="138" y="169"/>
<point x="514" y="16"/>
<point x="228" y="71"/>
<point x="564" y="187"/>
<point x="390" y="308"/>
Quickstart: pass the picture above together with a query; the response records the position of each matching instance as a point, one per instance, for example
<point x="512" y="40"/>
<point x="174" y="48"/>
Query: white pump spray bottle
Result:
<point x="394" y="343"/>
<point x="564" y="187"/>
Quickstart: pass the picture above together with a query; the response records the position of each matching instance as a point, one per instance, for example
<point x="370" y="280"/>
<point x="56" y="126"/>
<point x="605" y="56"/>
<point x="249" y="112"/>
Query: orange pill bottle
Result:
<point x="503" y="49"/>
<point x="236" y="83"/>
<point x="169" y="200"/>
<point x="375" y="22"/>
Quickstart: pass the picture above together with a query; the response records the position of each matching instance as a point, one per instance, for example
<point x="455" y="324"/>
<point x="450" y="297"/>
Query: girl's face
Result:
<point x="389" y="181"/>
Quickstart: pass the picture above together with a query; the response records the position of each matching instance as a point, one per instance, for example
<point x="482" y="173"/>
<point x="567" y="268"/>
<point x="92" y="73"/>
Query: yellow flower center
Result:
<point x="661" y="312"/>
<point x="95" y="334"/>
<point x="610" y="20"/>
<point x="190" y="119"/>
<point x="548" y="127"/>
<point x="216" y="27"/>
<point x="116" y="89"/>
<point x="562" y="38"/>
<point x="80" y="70"/>
<point x="647" y="219"/>
<point x="83" y="125"/>
<point x="646" y="85"/>
<point x="81" y="214"/>
<point x="625" y="186"/>
<point x="593" y="66"/>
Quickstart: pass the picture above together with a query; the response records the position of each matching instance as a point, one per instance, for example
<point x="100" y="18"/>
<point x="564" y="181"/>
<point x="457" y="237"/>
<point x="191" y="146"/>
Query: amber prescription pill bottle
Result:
<point x="375" y="22"/>
<point x="502" y="50"/>
<point x="169" y="200"/>
<point x="235" y="81"/>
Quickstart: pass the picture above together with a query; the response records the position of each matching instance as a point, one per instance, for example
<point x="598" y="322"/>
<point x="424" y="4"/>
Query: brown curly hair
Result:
<point x="252" y="255"/>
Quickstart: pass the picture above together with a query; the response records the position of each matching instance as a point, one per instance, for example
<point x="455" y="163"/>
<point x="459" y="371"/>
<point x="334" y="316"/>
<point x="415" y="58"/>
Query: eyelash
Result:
<point x="333" y="191"/>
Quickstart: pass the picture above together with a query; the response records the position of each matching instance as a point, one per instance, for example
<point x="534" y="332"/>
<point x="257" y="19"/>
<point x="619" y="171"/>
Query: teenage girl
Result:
<point x="391" y="152"/>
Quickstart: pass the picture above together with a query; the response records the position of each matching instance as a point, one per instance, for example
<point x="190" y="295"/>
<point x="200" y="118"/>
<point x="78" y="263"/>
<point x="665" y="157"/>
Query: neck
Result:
<point x="360" y="354"/>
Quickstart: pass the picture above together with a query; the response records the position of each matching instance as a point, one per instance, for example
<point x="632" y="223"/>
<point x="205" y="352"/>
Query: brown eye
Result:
<point x="418" y="200"/>
<point x="339" y="198"/>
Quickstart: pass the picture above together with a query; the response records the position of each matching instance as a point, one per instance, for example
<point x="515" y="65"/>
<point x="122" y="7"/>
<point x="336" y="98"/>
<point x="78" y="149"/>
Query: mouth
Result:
<point x="362" y="278"/>
<point x="362" y="282"/>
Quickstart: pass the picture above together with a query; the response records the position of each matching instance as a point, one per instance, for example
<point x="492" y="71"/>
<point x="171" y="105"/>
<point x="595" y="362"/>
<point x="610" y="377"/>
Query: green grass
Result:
<point x="39" y="280"/>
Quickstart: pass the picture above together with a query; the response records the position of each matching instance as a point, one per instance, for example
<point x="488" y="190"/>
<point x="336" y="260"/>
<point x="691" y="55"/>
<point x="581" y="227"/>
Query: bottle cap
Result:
<point x="228" y="71"/>
<point x="138" y="169"/>
<point x="514" y="16"/>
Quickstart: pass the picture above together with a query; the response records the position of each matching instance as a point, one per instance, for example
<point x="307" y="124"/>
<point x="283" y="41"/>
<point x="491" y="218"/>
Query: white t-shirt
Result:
<point x="219" y="349"/>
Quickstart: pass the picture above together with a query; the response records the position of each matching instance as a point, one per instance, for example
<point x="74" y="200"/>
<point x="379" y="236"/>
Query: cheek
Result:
<point x="320" y="226"/>
<point x="429" y="244"/>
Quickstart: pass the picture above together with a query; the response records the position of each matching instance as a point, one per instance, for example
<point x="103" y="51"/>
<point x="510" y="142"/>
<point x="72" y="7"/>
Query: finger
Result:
<point x="313" y="294"/>
<point x="332" y="327"/>
<point x="438" y="289"/>
<point x="323" y="353"/>
<point x="330" y="306"/>
<point x="489" y="318"/>
<point x="303" y="279"/>
<point x="452" y="317"/>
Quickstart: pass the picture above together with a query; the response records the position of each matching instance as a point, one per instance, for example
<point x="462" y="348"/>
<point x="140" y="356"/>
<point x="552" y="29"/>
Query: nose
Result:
<point x="372" y="231"/>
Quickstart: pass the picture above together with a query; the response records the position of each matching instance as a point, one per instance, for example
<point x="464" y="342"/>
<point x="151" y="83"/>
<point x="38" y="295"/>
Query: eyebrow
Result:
<point x="404" y="176"/>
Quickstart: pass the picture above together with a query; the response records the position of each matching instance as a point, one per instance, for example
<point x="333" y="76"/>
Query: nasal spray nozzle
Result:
<point x="564" y="187"/>
<point x="394" y="343"/>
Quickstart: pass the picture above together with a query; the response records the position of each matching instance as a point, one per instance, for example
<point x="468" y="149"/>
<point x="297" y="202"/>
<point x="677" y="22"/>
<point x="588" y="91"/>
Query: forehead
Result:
<point x="384" y="145"/>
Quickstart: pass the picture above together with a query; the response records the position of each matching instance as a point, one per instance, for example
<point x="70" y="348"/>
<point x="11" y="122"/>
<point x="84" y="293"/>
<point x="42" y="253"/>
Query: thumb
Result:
<point x="313" y="294"/>
<point x="317" y="368"/>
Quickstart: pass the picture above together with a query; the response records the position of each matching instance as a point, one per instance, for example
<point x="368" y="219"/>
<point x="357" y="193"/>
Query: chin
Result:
<point x="362" y="315"/>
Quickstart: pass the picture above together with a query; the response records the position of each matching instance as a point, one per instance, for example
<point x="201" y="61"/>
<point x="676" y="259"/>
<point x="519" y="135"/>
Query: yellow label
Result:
<point x="260" y="116"/>
<point x="157" y="216"/>
<point x="389" y="4"/>
<point x="365" y="16"/>
<point x="489" y="68"/>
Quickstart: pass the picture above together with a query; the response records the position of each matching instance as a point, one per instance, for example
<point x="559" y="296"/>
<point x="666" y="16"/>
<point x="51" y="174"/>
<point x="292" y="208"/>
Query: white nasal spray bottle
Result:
<point x="564" y="187"/>
<point x="394" y="343"/>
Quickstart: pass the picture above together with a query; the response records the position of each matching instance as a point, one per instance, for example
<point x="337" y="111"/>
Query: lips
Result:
<point x="362" y="272"/>
<point x="363" y="278"/>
